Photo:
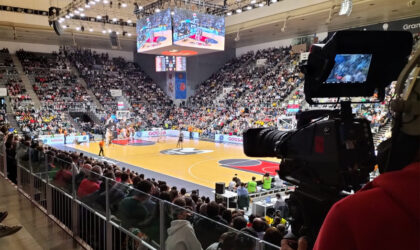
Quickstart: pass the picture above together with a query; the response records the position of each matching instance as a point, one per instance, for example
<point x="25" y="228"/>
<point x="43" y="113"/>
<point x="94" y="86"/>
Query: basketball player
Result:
<point x="180" y="140"/>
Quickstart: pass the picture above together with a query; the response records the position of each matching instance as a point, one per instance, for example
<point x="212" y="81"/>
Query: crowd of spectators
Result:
<point x="134" y="197"/>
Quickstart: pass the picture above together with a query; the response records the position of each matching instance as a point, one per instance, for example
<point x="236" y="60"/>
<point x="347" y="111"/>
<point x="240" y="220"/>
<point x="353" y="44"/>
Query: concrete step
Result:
<point x="26" y="82"/>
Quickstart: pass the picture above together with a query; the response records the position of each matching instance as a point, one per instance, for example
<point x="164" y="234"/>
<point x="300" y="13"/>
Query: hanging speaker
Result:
<point x="57" y="28"/>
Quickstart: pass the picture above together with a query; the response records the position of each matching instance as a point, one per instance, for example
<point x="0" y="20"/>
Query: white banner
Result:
<point x="3" y="91"/>
<point x="261" y="62"/>
<point x="228" y="139"/>
<point x="115" y="92"/>
<point x="170" y="84"/>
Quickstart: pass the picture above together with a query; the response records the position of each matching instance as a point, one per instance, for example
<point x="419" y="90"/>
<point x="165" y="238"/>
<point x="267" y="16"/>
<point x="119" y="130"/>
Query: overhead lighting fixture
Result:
<point x="110" y="30"/>
<point x="172" y="13"/>
<point x="157" y="10"/>
<point x="82" y="15"/>
<point x="77" y="28"/>
<point x="71" y="15"/>
<point x="114" y="19"/>
<point x="105" y="1"/>
<point x="97" y="1"/>
<point x="249" y="7"/>
<point x="103" y="31"/>
<point x="117" y="32"/>
<point x="76" y="12"/>
<point x="123" y="5"/>
<point x="229" y="13"/>
<point x="274" y="1"/>
<point x="60" y="21"/>
<point x="261" y="5"/>
<point x="90" y="30"/>
<point x="64" y="27"/>
<point x="128" y="21"/>
<point x="87" y="6"/>
<point x="92" y="3"/>
<point x="67" y="16"/>
<point x="239" y="11"/>
<point x="253" y="1"/>
<point x="346" y="8"/>
<point x="98" y="17"/>
<point x="128" y="34"/>
<point x="81" y="9"/>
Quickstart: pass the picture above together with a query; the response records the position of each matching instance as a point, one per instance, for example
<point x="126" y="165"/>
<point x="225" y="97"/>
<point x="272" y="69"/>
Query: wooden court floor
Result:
<point x="201" y="168"/>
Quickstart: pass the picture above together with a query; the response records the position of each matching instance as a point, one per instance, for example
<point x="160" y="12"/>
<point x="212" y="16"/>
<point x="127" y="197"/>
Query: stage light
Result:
<point x="128" y="34"/>
<point x="90" y="30"/>
<point x="98" y="17"/>
<point x="77" y="28"/>
<point x="249" y="7"/>
<point x="82" y="15"/>
<point x="261" y="5"/>
<point x="60" y="21"/>
<point x="239" y="11"/>
<point x="123" y="5"/>
<point x="172" y="13"/>
<point x="64" y="27"/>
<point x="157" y="10"/>
<point x="117" y="32"/>
<point x="92" y="3"/>
<point x="128" y="21"/>
<point x="105" y="1"/>
<point x="103" y="31"/>
<point x="229" y="13"/>
<point x="110" y="30"/>
<point x="114" y="19"/>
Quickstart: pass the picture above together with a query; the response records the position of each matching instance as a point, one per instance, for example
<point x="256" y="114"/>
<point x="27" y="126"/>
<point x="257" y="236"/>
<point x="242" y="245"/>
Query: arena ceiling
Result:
<point x="255" y="26"/>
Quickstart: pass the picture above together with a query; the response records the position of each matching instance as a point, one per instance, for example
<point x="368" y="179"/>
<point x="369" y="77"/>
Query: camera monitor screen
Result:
<point x="193" y="29"/>
<point x="350" y="68"/>
<point x="154" y="31"/>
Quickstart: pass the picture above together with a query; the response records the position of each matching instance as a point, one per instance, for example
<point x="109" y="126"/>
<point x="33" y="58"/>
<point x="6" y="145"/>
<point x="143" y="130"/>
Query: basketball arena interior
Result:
<point x="209" y="124"/>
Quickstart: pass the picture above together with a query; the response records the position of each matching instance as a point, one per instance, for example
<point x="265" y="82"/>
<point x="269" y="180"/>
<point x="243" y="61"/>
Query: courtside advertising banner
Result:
<point x="228" y="139"/>
<point x="168" y="132"/>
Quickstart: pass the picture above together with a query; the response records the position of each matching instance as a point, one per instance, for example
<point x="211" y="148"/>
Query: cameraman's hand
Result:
<point x="302" y="244"/>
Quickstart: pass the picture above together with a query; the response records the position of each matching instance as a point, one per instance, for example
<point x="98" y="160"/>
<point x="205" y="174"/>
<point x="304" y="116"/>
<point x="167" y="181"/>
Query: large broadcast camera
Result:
<point x="331" y="153"/>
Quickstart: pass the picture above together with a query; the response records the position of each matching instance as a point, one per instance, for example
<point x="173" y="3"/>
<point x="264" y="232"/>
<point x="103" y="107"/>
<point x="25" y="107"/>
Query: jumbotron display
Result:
<point x="154" y="31"/>
<point x="171" y="63"/>
<point x="192" y="29"/>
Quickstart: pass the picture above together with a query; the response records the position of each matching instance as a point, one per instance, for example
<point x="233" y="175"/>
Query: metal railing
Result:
<point x="115" y="216"/>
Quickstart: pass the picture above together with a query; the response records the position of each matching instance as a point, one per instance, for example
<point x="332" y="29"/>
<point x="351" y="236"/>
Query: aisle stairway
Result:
<point x="382" y="131"/>
<point x="84" y="84"/>
<point x="26" y="82"/>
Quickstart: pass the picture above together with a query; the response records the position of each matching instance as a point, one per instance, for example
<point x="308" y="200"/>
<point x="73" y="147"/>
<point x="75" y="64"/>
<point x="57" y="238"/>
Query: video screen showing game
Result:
<point x="171" y="63"/>
<point x="350" y="68"/>
<point x="154" y="31"/>
<point x="192" y="29"/>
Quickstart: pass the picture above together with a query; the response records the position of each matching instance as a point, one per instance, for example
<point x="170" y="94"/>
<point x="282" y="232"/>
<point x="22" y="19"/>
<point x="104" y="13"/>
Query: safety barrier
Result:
<point x="102" y="220"/>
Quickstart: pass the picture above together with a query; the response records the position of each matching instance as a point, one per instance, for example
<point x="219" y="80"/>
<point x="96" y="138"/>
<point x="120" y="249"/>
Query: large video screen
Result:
<point x="198" y="30"/>
<point x="350" y="68"/>
<point x="154" y="31"/>
<point x="171" y="63"/>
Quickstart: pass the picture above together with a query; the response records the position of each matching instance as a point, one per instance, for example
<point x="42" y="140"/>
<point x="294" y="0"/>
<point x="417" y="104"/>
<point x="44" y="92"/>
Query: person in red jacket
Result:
<point x="90" y="185"/>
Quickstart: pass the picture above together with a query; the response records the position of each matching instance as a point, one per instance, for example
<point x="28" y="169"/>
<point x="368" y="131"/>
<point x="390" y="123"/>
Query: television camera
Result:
<point x="331" y="153"/>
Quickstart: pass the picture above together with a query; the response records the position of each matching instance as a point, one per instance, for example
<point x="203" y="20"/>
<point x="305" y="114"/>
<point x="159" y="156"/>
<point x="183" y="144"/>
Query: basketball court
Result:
<point x="199" y="162"/>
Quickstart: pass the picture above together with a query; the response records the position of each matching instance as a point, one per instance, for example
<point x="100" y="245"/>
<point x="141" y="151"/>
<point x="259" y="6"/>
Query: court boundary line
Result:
<point x="202" y="188"/>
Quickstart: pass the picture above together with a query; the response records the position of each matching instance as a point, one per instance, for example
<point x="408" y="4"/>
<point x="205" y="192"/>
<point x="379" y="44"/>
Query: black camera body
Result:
<point x="330" y="151"/>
